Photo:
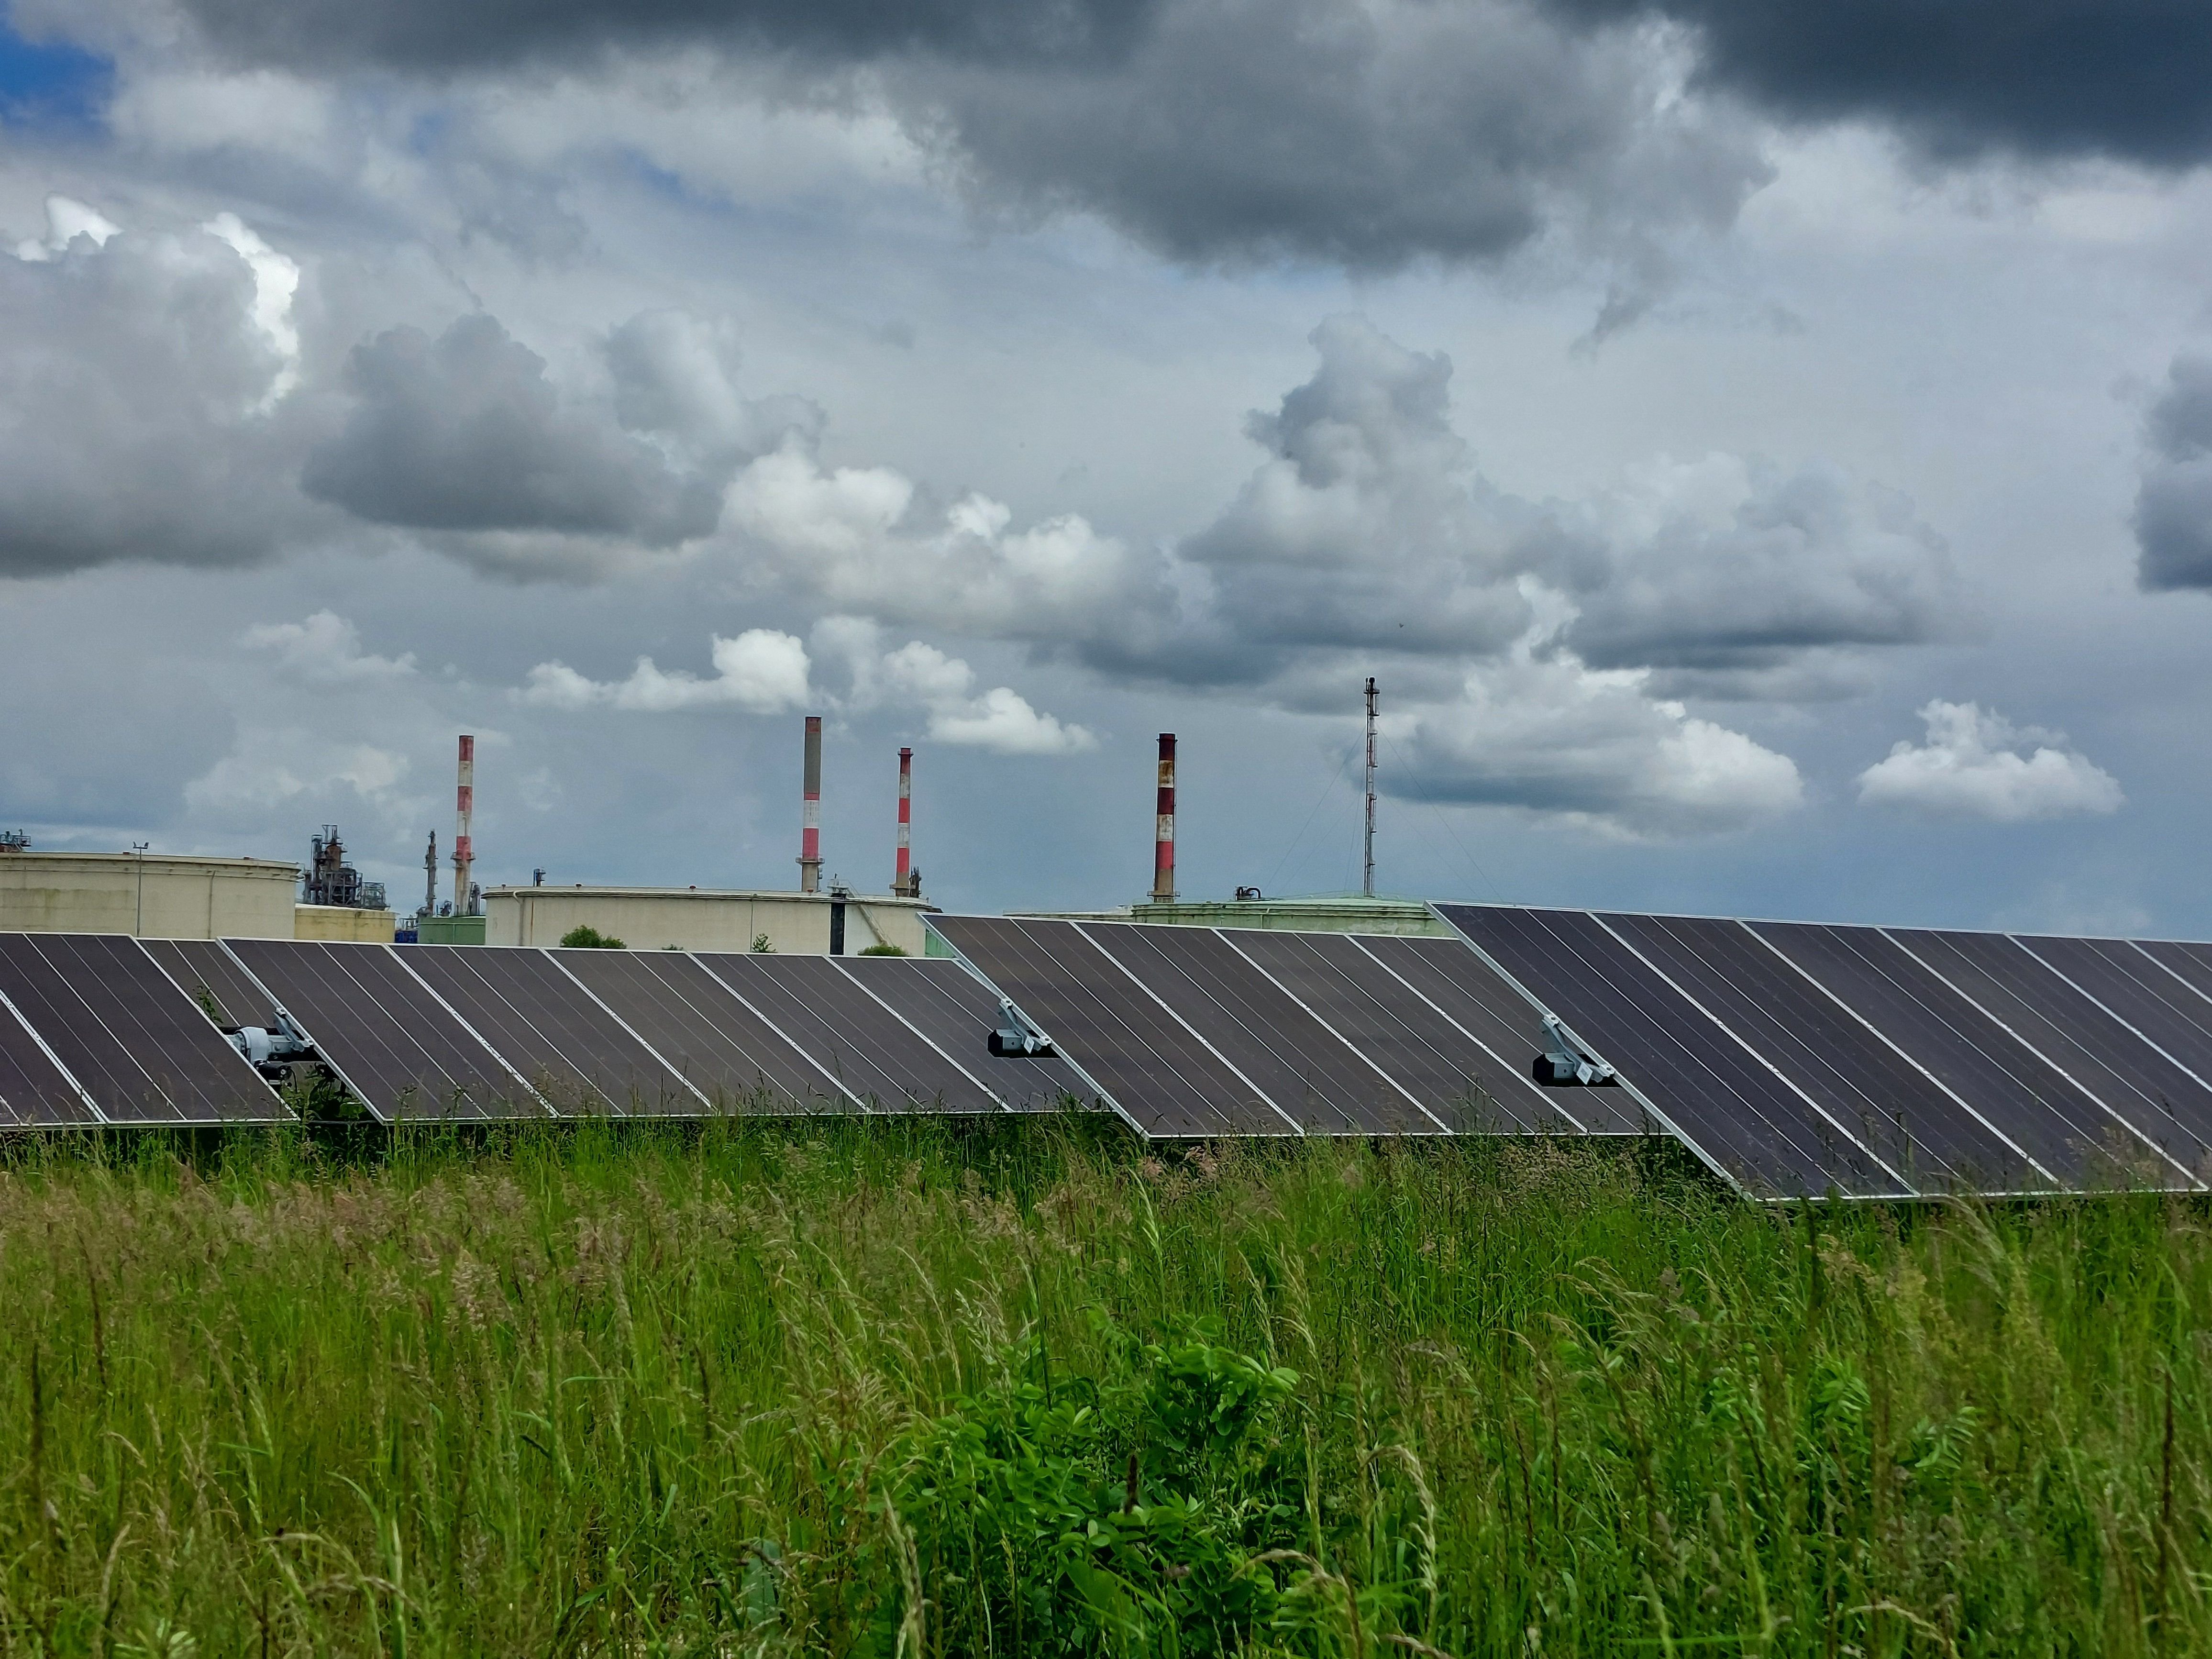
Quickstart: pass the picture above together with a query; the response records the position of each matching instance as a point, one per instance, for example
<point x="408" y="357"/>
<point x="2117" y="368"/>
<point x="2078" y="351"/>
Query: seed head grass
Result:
<point x="913" y="1388"/>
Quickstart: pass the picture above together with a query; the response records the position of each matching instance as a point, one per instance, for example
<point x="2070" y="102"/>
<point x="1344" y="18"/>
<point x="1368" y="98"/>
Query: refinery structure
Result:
<point x="326" y="899"/>
<point x="166" y="896"/>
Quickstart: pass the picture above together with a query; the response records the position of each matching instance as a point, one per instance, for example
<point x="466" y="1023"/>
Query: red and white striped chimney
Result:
<point x="1163" y="887"/>
<point x="810" y="812"/>
<point x="903" y="882"/>
<point x="465" y="800"/>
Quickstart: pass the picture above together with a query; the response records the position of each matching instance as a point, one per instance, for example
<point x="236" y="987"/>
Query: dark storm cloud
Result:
<point x="465" y="433"/>
<point x="2173" y="508"/>
<point x="437" y="36"/>
<point x="2124" y="78"/>
<point x="1216" y="131"/>
<point x="133" y="377"/>
<point x="1363" y="135"/>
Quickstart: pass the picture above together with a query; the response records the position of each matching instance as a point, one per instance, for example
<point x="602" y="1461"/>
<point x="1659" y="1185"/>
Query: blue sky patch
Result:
<point x="46" y="84"/>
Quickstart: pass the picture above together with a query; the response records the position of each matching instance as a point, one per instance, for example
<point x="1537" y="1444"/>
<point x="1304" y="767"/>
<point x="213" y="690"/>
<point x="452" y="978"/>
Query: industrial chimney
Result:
<point x="463" y="805"/>
<point x="810" y="812"/>
<point x="905" y="883"/>
<point x="1163" y="887"/>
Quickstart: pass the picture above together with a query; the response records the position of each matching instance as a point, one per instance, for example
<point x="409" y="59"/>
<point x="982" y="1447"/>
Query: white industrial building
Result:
<point x="704" y="918"/>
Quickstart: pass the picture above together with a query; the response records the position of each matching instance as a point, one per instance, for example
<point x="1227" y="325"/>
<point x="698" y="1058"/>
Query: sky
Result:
<point x="1763" y="454"/>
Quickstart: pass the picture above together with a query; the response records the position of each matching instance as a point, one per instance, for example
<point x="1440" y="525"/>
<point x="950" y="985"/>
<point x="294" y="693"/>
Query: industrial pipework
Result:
<point x="1163" y="887"/>
<point x="810" y="812"/>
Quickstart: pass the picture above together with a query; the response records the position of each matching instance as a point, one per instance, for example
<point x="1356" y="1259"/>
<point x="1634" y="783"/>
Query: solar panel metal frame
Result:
<point x="1185" y="1126"/>
<point x="2056" y="1181"/>
<point x="649" y="964"/>
<point x="1380" y="947"/>
<point x="209" y="1073"/>
<point x="881" y="1059"/>
<point x="1628" y="1084"/>
<point x="922" y="971"/>
<point x="2065" y="1065"/>
<point x="1279" y="1041"/>
<point x="527" y="1095"/>
<point x="1240" y="939"/>
<point x="474" y="961"/>
<point x="11" y="1016"/>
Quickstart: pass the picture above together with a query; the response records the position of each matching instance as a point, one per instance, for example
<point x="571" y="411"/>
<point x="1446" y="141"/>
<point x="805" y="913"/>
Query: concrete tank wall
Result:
<point x="162" y="896"/>
<point x="340" y="924"/>
<point x="652" y="918"/>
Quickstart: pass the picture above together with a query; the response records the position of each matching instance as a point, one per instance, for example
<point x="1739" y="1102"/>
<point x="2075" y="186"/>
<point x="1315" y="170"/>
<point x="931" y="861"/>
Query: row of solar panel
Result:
<point x="104" y="1028"/>
<point x="1798" y="1058"/>
<point x="1198" y="1032"/>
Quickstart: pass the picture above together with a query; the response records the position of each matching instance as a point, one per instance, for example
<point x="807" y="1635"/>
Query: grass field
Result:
<point x="894" y="1388"/>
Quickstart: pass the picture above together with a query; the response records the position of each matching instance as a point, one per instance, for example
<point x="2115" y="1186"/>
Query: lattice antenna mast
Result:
<point x="1367" y="884"/>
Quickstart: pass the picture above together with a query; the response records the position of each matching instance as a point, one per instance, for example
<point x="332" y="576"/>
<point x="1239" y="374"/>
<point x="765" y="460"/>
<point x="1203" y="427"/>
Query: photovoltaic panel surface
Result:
<point x="1461" y="1083"/>
<point x="545" y="1025"/>
<point x="1871" y="1093"/>
<point x="208" y="971"/>
<point x="2137" y="989"/>
<point x="2058" y="1132"/>
<point x="699" y="1026"/>
<point x="2190" y="964"/>
<point x="34" y="1092"/>
<point x="127" y="1032"/>
<point x="1263" y="1030"/>
<point x="1721" y="1098"/>
<point x="1447" y="974"/>
<point x="2156" y="1101"/>
<point x="392" y="1042"/>
<point x="1157" y="1071"/>
<point x="851" y="1035"/>
<point x="957" y="1012"/>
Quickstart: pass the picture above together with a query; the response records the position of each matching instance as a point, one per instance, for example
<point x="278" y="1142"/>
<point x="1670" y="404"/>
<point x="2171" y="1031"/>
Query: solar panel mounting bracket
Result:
<point x="1567" y="1062"/>
<point x="1018" y="1036"/>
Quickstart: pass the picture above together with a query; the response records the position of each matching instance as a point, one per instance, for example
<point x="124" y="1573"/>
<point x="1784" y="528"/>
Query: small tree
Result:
<point x="588" y="938"/>
<point x="761" y="946"/>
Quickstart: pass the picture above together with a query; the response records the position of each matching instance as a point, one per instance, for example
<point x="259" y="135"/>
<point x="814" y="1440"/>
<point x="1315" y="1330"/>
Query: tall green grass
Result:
<point x="904" y="1388"/>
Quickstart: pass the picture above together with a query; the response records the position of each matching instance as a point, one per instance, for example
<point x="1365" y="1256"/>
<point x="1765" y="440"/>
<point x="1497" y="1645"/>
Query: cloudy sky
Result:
<point x="1763" y="452"/>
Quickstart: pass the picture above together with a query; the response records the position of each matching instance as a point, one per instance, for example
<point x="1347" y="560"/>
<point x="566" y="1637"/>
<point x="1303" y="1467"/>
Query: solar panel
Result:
<point x="1719" y="1097"/>
<point x="1864" y="1086"/>
<point x="875" y="1056"/>
<point x="2062" y="1136"/>
<point x="575" y="1054"/>
<point x="2137" y="987"/>
<point x="1263" y="1030"/>
<point x="721" y="1047"/>
<point x="225" y="992"/>
<point x="1455" y="1081"/>
<point x="119" y="1025"/>
<point x="35" y="1093"/>
<point x="400" y="1050"/>
<point x="2190" y="964"/>
<point x="1147" y="1064"/>
<point x="1464" y="989"/>
<point x="957" y="1012"/>
<point x="2153" y="1098"/>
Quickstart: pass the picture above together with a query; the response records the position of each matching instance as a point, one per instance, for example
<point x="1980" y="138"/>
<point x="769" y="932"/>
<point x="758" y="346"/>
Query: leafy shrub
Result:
<point x="587" y="937"/>
<point x="883" y="951"/>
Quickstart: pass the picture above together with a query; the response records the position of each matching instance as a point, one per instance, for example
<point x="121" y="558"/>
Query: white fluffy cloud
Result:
<point x="761" y="672"/>
<point x="867" y="540"/>
<point x="1977" y="764"/>
<point x="1591" y="746"/>
<point x="326" y="649"/>
<point x="918" y="679"/>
